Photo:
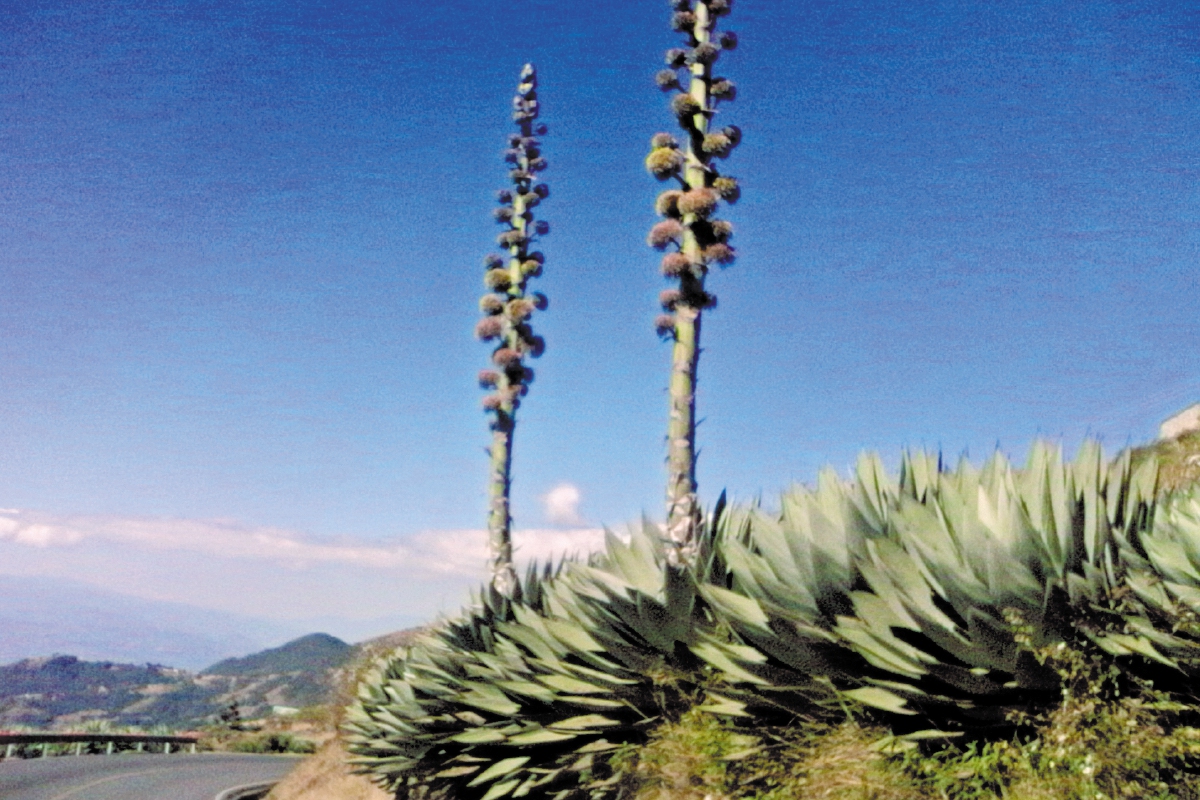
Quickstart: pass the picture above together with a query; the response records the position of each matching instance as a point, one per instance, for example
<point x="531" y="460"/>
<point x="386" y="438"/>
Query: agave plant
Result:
<point x="520" y="695"/>
<point x="693" y="238"/>
<point x="507" y="308"/>
<point x="902" y="594"/>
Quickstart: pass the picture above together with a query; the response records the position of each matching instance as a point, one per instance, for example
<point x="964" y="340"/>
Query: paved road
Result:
<point x="136" y="777"/>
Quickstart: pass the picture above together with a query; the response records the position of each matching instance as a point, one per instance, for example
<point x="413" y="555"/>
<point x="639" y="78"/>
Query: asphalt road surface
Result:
<point x="136" y="776"/>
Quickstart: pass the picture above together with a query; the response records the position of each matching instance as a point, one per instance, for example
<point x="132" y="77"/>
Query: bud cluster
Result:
<point x="507" y="306"/>
<point x="692" y="238"/>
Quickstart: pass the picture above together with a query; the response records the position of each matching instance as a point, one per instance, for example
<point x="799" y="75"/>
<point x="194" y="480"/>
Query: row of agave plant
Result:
<point x="917" y="598"/>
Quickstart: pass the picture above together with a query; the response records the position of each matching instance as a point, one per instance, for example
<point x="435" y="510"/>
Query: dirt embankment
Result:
<point x="326" y="776"/>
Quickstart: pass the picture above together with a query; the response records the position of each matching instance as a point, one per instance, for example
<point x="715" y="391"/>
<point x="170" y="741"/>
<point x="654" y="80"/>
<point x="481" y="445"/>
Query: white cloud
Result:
<point x="269" y="573"/>
<point x="561" y="505"/>
<point x="460" y="552"/>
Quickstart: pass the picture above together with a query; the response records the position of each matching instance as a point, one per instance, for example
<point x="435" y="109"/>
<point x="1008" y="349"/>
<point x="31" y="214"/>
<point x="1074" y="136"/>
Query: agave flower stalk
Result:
<point x="691" y="236"/>
<point x="507" y="308"/>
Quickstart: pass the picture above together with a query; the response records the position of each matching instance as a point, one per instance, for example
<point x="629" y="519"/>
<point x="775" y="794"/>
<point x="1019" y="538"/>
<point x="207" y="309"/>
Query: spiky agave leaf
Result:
<point x="518" y="696"/>
<point x="895" y="591"/>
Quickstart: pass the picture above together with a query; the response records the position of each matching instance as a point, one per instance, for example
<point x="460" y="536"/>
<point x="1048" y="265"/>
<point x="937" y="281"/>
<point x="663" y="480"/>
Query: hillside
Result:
<point x="64" y="692"/>
<point x="317" y="651"/>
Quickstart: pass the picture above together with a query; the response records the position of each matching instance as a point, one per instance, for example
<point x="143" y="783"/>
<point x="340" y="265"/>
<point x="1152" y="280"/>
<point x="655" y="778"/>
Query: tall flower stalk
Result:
<point x="507" y="308"/>
<point x="691" y="236"/>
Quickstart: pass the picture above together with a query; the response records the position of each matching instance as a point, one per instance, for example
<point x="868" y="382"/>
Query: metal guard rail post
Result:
<point x="10" y="741"/>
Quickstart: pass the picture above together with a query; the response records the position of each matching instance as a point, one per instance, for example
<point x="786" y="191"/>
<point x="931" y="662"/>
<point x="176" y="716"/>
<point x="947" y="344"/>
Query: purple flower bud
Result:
<point x="511" y="156"/>
<point x="518" y="310"/>
<point x="664" y="325"/>
<point x="676" y="57"/>
<point x="667" y="204"/>
<point x="723" y="89"/>
<point x="540" y="301"/>
<point x="718" y="8"/>
<point x="703" y="53"/>
<point x="674" y="265"/>
<point x="506" y="357"/>
<point x="488" y="378"/>
<point x="513" y="238"/>
<point x="728" y="189"/>
<point x="683" y="21"/>
<point x="664" y="233"/>
<point x="729" y="40"/>
<point x="684" y="106"/>
<point x="668" y="298"/>
<point x="497" y="279"/>
<point x="488" y="328"/>
<point x="664" y="162"/>
<point x="667" y="79"/>
<point x="541" y="129"/>
<point x="504" y="196"/>
<point x="542" y="190"/>
<point x="700" y="202"/>
<point x="538" y="165"/>
<point x="719" y="253"/>
<point x="518" y="175"/>
<point x="663" y="140"/>
<point x="503" y="214"/>
<point x="541" y="227"/>
<point x="491" y="261"/>
<point x="492" y="402"/>
<point x="716" y="144"/>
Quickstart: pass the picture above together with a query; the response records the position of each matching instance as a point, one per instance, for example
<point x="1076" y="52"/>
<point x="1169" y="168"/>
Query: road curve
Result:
<point x="136" y="777"/>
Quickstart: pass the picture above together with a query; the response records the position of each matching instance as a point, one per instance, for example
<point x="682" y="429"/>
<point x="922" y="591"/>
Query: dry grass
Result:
<point x="1178" y="460"/>
<point x="842" y="765"/>
<point x="326" y="776"/>
<point x="703" y="758"/>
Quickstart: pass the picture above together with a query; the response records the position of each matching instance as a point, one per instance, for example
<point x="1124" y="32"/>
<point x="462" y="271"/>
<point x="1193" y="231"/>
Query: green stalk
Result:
<point x="695" y="241"/>
<point x="507" y="308"/>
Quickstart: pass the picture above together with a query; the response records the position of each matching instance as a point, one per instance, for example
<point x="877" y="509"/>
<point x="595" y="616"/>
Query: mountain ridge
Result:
<point x="63" y="692"/>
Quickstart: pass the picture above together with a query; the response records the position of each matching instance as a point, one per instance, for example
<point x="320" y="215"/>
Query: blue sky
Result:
<point x="240" y="248"/>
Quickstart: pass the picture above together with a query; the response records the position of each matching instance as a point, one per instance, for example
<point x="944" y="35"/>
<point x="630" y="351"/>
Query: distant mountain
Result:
<point x="64" y="692"/>
<point x="312" y="652"/>
<point x="304" y="672"/>
<point x="39" y="616"/>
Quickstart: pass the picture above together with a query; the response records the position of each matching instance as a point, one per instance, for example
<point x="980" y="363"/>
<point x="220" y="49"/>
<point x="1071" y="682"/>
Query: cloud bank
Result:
<point x="460" y="552"/>
<point x="352" y="587"/>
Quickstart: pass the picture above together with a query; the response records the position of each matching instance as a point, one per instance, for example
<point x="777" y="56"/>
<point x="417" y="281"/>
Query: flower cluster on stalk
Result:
<point x="507" y="307"/>
<point x="692" y="238"/>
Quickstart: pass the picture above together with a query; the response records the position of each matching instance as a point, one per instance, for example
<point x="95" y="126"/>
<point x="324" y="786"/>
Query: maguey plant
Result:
<point x="507" y="308"/>
<point x="690" y="234"/>
<point x="923" y="596"/>
<point x="526" y="694"/>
